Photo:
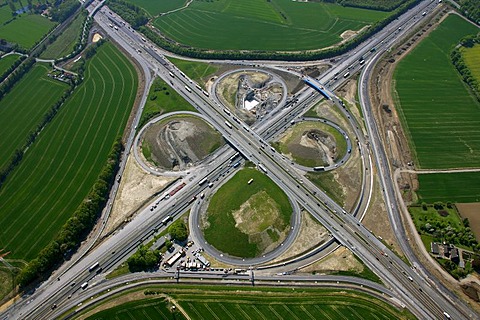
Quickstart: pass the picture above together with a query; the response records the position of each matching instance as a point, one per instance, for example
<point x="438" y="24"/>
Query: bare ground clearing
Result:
<point x="339" y="260"/>
<point x="136" y="187"/>
<point x="472" y="212"/>
<point x="311" y="235"/>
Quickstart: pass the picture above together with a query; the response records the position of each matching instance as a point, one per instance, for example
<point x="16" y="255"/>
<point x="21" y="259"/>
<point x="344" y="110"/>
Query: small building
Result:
<point x="434" y="248"/>
<point x="454" y="255"/>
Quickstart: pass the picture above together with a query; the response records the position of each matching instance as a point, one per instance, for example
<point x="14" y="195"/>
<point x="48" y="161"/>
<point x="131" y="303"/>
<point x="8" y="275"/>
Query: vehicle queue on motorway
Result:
<point x="347" y="229"/>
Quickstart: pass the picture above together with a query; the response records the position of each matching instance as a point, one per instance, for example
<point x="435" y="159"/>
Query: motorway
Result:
<point x="410" y="287"/>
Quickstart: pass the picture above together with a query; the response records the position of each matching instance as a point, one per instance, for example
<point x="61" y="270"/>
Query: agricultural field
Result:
<point x="5" y="14"/>
<point x="66" y="41"/>
<point x="154" y="8"/>
<point x="163" y="99"/>
<point x="7" y="61"/>
<point x="197" y="71"/>
<point x="255" y="303"/>
<point x="60" y="168"/>
<point x="439" y="114"/>
<point x="24" y="107"/>
<point x="263" y="25"/>
<point x="472" y="60"/>
<point x="244" y="219"/>
<point x="462" y="187"/>
<point x="26" y="29"/>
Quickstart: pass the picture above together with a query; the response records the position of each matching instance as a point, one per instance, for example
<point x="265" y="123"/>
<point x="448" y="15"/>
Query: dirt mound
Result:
<point x="178" y="143"/>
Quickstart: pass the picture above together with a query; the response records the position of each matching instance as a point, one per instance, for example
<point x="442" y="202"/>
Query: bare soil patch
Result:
<point x="180" y="142"/>
<point x="259" y="217"/>
<point x="339" y="260"/>
<point x="472" y="212"/>
<point x="240" y="89"/>
<point x="96" y="37"/>
<point x="310" y="144"/>
<point x="348" y="177"/>
<point x="136" y="187"/>
<point x="310" y="236"/>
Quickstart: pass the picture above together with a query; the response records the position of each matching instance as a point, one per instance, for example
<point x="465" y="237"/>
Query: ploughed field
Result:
<point x="250" y="303"/>
<point x="282" y="25"/>
<point x="440" y="115"/>
<point x="60" y="168"/>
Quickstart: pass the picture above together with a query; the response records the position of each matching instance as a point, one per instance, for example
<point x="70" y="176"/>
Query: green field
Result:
<point x="197" y="71"/>
<point x="263" y="25"/>
<point x="23" y="108"/>
<point x="26" y="29"/>
<point x="472" y="60"/>
<point x="156" y="7"/>
<point x="254" y="303"/>
<point x="7" y="61"/>
<point x="440" y="115"/>
<point x="5" y="14"/>
<point x="60" y="168"/>
<point x="449" y="187"/>
<point x="222" y="232"/>
<point x="162" y="99"/>
<point x="66" y="41"/>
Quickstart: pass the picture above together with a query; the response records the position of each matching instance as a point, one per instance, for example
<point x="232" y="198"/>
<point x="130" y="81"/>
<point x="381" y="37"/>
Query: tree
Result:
<point x="178" y="231"/>
<point x="143" y="259"/>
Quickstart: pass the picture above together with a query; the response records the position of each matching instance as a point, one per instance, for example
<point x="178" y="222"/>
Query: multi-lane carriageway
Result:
<point x="424" y="301"/>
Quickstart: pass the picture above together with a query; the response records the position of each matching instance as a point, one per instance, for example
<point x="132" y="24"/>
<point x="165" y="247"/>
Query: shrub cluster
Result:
<point x="459" y="63"/>
<point x="143" y="260"/>
<point x="471" y="9"/>
<point x="64" y="9"/>
<point x="129" y="12"/>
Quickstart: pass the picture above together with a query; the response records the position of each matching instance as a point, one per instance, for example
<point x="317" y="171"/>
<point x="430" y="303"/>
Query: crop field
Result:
<point x="254" y="303"/>
<point x="65" y="42"/>
<point x="7" y="61"/>
<point x="460" y="187"/>
<point x="60" y="168"/>
<point x="156" y="7"/>
<point x="24" y="107"/>
<point x="263" y="25"/>
<point x="223" y="232"/>
<point x="5" y="14"/>
<point x="440" y="115"/>
<point x="472" y="60"/>
<point x="197" y="71"/>
<point x="26" y="29"/>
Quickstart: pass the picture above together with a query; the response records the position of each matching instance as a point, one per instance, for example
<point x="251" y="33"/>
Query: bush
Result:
<point x="178" y="231"/>
<point x="143" y="260"/>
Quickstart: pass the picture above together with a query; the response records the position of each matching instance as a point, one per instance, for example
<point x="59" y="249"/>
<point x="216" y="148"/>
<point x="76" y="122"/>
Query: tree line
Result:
<point x="306" y="55"/>
<point x="11" y="68"/>
<point x="459" y="63"/>
<point x="380" y="5"/>
<point x="77" y="227"/>
<point x="471" y="9"/>
<point x="129" y="12"/>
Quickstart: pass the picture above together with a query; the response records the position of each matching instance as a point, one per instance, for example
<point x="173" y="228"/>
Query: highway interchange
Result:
<point x="413" y="287"/>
